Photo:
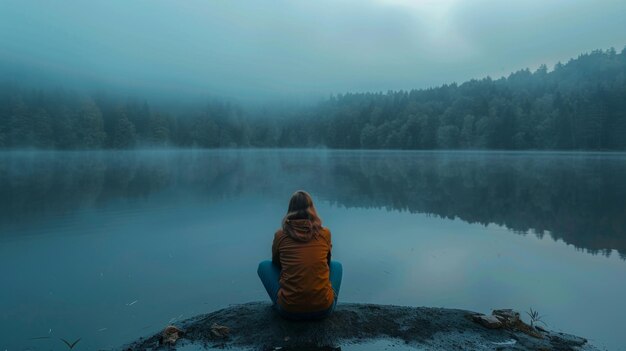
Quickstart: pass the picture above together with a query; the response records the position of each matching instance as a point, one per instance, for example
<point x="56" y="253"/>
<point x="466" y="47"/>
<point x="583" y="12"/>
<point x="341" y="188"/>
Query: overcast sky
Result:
<point x="293" y="49"/>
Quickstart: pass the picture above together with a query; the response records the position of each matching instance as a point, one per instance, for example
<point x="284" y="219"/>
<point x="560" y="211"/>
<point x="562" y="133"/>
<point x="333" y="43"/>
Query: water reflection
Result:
<point x="578" y="198"/>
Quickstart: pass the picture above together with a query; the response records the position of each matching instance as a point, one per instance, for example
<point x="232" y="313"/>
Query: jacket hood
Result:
<point x="300" y="229"/>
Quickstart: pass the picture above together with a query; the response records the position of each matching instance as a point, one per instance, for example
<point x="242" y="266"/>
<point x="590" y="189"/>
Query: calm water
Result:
<point x="110" y="246"/>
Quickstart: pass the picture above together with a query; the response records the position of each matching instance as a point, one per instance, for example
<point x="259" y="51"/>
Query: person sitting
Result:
<point x="301" y="280"/>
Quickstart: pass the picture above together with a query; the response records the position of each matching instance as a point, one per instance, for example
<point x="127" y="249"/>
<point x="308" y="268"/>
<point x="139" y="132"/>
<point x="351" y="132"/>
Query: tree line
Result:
<point x="579" y="105"/>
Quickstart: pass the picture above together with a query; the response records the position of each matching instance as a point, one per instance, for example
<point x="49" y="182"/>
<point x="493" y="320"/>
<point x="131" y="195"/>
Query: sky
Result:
<point x="299" y="50"/>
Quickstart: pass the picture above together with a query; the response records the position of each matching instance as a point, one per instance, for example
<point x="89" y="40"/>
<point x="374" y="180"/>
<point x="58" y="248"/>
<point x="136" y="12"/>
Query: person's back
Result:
<point x="301" y="280"/>
<point x="305" y="274"/>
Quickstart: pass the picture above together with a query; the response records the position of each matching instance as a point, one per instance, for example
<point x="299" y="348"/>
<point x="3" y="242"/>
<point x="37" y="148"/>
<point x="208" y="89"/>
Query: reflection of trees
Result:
<point x="578" y="199"/>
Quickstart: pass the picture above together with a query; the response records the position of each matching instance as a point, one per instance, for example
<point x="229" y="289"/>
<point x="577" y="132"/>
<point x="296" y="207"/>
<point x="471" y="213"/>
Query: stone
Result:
<point x="567" y="339"/>
<point x="507" y="316"/>
<point x="487" y="321"/>
<point x="257" y="326"/>
<point x="170" y="335"/>
<point x="219" y="331"/>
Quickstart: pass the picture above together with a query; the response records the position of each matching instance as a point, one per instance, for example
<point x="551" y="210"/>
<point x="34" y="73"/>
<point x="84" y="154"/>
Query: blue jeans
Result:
<point x="270" y="277"/>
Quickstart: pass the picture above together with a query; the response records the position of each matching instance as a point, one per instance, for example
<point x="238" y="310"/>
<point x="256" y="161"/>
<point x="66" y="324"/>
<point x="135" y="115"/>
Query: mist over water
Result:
<point x="181" y="129"/>
<point x="576" y="197"/>
<point x="112" y="245"/>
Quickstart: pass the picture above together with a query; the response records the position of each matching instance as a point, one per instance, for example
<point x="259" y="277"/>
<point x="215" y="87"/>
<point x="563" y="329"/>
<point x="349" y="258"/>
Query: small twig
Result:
<point x="69" y="344"/>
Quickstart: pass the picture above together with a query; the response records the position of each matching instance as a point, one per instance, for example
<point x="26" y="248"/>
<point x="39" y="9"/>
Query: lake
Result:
<point x="109" y="246"/>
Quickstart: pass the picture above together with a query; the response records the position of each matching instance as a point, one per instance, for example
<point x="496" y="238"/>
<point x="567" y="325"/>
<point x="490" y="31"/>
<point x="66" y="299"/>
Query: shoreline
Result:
<point x="256" y="326"/>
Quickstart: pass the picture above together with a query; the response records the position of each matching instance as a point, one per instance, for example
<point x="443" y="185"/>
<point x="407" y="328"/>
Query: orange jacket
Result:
<point x="305" y="275"/>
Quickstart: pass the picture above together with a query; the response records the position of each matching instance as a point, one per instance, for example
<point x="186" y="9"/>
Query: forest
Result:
<point x="578" y="105"/>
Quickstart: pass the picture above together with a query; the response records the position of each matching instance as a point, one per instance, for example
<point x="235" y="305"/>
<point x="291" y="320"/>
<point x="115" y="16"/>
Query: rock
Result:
<point x="170" y="335"/>
<point x="567" y="339"/>
<point x="507" y="316"/>
<point x="219" y="331"/>
<point x="511" y="320"/>
<point x="257" y="326"/>
<point x="486" y="321"/>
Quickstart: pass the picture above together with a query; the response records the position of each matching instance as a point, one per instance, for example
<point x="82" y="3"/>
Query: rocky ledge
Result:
<point x="256" y="326"/>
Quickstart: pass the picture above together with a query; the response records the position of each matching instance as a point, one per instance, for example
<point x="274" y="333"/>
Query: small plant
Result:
<point x="70" y="345"/>
<point x="535" y="318"/>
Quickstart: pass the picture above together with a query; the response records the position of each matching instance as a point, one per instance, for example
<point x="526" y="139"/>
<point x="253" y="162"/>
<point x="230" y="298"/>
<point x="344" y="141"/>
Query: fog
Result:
<point x="287" y="50"/>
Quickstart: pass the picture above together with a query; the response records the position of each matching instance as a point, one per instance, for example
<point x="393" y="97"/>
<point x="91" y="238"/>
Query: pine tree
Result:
<point x="89" y="126"/>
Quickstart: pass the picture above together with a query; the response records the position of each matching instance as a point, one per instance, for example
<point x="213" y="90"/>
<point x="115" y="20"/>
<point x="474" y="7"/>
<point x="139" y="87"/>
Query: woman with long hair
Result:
<point x="301" y="280"/>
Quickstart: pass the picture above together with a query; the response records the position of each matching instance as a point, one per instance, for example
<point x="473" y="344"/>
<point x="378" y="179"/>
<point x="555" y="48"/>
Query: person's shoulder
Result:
<point x="325" y="232"/>
<point x="279" y="234"/>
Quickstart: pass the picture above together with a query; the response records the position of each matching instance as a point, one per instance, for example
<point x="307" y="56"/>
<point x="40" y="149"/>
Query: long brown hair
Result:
<point x="301" y="207"/>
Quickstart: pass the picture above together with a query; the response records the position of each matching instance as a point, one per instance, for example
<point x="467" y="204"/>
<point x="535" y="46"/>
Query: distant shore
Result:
<point x="255" y="325"/>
